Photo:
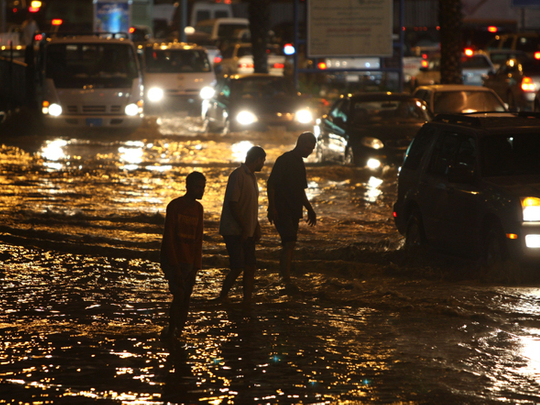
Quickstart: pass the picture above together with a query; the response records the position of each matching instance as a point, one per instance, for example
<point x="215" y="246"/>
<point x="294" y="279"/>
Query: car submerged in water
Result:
<point x="255" y="102"/>
<point x="369" y="129"/>
<point x="470" y="185"/>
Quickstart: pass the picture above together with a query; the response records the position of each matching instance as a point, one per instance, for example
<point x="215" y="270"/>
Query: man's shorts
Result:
<point x="287" y="228"/>
<point x="185" y="278"/>
<point x="241" y="254"/>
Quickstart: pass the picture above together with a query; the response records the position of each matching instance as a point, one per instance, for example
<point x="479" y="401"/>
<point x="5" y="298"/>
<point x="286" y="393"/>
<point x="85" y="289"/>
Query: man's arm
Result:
<point x="312" y="216"/>
<point x="272" y="213"/>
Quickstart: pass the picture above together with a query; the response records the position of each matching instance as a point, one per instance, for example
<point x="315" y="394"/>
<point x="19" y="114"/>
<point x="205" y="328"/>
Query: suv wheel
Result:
<point x="415" y="240"/>
<point x="494" y="263"/>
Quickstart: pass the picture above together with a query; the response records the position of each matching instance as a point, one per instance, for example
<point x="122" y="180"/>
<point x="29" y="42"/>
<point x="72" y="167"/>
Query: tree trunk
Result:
<point x="259" y="19"/>
<point x="450" y="21"/>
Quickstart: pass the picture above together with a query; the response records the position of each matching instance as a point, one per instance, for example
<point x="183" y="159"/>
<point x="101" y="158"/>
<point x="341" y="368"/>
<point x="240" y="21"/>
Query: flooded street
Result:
<point x="83" y="300"/>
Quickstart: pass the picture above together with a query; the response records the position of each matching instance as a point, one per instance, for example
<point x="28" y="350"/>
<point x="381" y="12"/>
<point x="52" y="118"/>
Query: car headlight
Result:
<point x="246" y="118"/>
<point x="372" y="143"/>
<point x="55" y="109"/>
<point x="207" y="93"/>
<point x="304" y="116"/>
<point x="131" y="109"/>
<point x="531" y="209"/>
<point x="155" y="94"/>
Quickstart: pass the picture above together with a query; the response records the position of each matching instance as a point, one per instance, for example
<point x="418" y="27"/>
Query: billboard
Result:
<point x="112" y="16"/>
<point x="349" y="28"/>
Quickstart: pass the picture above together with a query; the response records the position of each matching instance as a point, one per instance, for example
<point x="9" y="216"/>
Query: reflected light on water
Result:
<point x="373" y="191"/>
<point x="240" y="149"/>
<point x="131" y="155"/>
<point x="53" y="150"/>
<point x="531" y="350"/>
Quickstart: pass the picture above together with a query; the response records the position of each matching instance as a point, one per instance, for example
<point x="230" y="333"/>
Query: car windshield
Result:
<point x="82" y="64"/>
<point x="510" y="155"/>
<point x="465" y="102"/>
<point x="176" y="61"/>
<point x="382" y="110"/>
<point x="262" y="87"/>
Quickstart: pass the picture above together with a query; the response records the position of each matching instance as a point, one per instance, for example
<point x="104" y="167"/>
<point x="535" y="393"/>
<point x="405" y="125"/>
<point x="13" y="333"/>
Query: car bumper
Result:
<point x="182" y="102"/>
<point x="526" y="245"/>
<point x="85" y="121"/>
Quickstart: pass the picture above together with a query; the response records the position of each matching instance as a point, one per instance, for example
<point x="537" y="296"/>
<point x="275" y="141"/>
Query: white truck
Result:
<point x="89" y="80"/>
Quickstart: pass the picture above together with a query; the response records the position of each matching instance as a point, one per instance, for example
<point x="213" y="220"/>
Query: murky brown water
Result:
<point x="83" y="300"/>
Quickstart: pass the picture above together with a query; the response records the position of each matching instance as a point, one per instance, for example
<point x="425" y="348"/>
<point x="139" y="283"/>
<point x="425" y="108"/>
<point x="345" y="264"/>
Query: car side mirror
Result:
<point x="461" y="174"/>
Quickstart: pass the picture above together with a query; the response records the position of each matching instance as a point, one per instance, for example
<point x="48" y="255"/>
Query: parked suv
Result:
<point x="469" y="185"/>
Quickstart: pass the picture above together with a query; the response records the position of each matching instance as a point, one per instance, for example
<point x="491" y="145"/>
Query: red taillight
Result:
<point x="537" y="55"/>
<point x="245" y="65"/>
<point x="527" y="84"/>
<point x="217" y="59"/>
<point x="424" y="63"/>
<point x="38" y="37"/>
<point x="279" y="65"/>
<point x="469" y="52"/>
<point x="492" y="29"/>
<point x="321" y="65"/>
<point x="131" y="30"/>
<point x="57" y="21"/>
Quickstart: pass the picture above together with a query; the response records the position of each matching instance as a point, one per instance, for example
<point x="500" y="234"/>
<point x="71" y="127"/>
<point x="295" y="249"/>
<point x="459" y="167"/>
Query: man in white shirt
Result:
<point x="239" y="223"/>
<point x="28" y="29"/>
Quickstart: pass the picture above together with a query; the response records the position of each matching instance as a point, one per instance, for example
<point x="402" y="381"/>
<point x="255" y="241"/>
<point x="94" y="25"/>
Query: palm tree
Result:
<point x="450" y="21"/>
<point x="259" y="19"/>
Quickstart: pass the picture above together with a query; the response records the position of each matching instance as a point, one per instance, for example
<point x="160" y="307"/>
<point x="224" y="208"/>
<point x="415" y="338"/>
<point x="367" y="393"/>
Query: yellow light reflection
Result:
<point x="240" y="149"/>
<point x="373" y="191"/>
<point x="53" y="150"/>
<point x="531" y="350"/>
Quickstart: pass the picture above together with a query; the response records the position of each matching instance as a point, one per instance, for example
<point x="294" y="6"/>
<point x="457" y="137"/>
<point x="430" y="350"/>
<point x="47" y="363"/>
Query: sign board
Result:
<point x="349" y="28"/>
<point x="112" y="16"/>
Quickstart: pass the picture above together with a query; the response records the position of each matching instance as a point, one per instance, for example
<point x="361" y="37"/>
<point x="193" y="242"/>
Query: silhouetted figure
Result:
<point x="181" y="250"/>
<point x="287" y="197"/>
<point x="239" y="223"/>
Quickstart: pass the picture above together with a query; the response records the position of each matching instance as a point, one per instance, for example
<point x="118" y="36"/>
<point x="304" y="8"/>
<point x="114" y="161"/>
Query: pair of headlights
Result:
<point x="55" y="109"/>
<point x="245" y="117"/>
<point x="155" y="94"/>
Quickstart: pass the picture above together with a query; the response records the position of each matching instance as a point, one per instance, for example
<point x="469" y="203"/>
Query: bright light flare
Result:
<point x="373" y="164"/>
<point x="531" y="209"/>
<point x="155" y="94"/>
<point x="207" y="93"/>
<point x="304" y="116"/>
<point x="246" y="118"/>
<point x="55" y="110"/>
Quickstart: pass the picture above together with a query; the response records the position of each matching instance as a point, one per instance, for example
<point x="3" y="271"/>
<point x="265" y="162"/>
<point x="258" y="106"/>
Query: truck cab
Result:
<point x="89" y="80"/>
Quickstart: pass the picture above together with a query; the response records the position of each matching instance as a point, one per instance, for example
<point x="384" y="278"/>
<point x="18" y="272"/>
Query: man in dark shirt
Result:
<point x="287" y="197"/>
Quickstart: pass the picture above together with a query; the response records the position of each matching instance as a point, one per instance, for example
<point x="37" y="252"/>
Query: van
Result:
<point x="208" y="11"/>
<point x="222" y="28"/>
<point x="175" y="74"/>
<point x="91" y="80"/>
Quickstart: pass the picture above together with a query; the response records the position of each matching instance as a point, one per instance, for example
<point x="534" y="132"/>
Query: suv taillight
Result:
<point x="527" y="84"/>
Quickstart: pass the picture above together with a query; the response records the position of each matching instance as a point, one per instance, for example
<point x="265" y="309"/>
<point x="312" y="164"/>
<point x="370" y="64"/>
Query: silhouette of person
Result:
<point x="28" y="29"/>
<point x="287" y="198"/>
<point x="239" y="223"/>
<point x="181" y="250"/>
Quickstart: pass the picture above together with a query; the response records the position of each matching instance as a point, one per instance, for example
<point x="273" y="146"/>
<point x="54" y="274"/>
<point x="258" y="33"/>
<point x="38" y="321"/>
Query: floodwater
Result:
<point x="83" y="300"/>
